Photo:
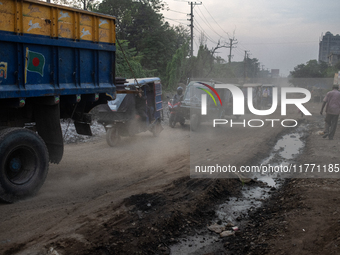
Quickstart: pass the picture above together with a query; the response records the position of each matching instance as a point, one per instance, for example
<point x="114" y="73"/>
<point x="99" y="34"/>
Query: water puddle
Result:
<point x="287" y="148"/>
<point x="233" y="211"/>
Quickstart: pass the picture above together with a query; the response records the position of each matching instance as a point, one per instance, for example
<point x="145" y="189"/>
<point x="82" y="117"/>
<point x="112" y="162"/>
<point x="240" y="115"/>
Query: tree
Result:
<point x="128" y="62"/>
<point x="80" y="4"/>
<point x="311" y="74"/>
<point x="176" y="69"/>
<point x="141" y="23"/>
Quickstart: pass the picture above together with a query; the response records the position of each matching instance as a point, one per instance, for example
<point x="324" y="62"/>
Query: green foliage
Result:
<point x="311" y="70"/>
<point x="312" y="74"/>
<point x="337" y="66"/>
<point x="141" y="23"/>
<point x="128" y="63"/>
<point x="208" y="66"/>
<point x="90" y="5"/>
<point x="176" y="69"/>
<point x="204" y="62"/>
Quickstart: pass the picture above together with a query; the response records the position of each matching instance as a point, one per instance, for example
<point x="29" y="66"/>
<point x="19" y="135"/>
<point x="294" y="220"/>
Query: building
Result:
<point x="333" y="59"/>
<point x="275" y="73"/>
<point x="329" y="45"/>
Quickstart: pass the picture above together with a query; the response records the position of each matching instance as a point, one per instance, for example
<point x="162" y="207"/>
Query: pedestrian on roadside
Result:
<point x="265" y="97"/>
<point x="332" y="103"/>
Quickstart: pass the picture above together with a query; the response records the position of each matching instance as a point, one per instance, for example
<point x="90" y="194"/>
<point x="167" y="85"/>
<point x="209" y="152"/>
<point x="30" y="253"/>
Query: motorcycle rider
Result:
<point x="175" y="114"/>
<point x="141" y="105"/>
<point x="179" y="96"/>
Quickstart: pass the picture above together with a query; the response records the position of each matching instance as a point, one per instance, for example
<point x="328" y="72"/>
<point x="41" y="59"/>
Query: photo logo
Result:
<point x="204" y="97"/>
<point x="239" y="101"/>
<point x="239" y="104"/>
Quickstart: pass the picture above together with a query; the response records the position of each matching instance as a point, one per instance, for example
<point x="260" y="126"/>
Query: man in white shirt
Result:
<point x="332" y="103"/>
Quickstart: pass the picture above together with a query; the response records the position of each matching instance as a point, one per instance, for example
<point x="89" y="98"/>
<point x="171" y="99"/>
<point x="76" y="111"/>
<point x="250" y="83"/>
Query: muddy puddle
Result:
<point x="231" y="215"/>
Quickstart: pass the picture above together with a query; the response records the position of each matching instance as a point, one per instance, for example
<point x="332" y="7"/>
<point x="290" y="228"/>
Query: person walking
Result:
<point x="265" y="97"/>
<point x="332" y="103"/>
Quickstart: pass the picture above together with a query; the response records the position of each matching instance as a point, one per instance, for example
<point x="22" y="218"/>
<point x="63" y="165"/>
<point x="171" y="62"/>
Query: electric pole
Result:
<point x="231" y="47"/>
<point x="192" y="4"/>
<point x="245" y="64"/>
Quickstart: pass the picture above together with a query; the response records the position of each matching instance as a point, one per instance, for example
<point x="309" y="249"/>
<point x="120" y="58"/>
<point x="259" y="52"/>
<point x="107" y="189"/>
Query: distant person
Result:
<point x="257" y="97"/>
<point x="265" y="96"/>
<point x="332" y="103"/>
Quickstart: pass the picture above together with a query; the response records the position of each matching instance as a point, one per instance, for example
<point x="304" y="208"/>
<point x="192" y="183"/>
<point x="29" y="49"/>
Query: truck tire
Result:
<point x="112" y="136"/>
<point x="23" y="163"/>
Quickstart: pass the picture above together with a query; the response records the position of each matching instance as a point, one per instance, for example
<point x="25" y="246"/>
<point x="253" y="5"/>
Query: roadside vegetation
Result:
<point x="149" y="46"/>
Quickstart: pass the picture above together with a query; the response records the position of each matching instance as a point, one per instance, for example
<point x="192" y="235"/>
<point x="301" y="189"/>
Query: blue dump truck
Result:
<point x="55" y="62"/>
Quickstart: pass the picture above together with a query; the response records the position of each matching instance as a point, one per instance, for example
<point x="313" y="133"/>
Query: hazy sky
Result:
<point x="280" y="33"/>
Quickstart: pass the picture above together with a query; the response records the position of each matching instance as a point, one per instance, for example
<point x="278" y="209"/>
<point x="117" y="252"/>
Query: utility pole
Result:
<point x="231" y="47"/>
<point x="192" y="4"/>
<point x="245" y="64"/>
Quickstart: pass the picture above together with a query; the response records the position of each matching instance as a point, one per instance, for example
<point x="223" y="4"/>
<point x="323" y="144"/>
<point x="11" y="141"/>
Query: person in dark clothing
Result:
<point x="141" y="106"/>
<point x="179" y="96"/>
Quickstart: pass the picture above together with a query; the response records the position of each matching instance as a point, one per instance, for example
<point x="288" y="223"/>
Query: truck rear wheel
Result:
<point x="112" y="136"/>
<point x="23" y="163"/>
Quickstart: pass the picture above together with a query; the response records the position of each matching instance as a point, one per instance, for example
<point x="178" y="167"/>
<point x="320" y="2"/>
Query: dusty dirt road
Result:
<point x="138" y="198"/>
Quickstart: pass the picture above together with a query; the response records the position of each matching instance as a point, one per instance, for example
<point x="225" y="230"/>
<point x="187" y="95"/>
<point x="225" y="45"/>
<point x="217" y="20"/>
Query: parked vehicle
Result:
<point x="55" y="62"/>
<point x="191" y="104"/>
<point x="137" y="108"/>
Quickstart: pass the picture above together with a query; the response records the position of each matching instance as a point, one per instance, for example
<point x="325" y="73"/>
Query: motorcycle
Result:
<point x="175" y="113"/>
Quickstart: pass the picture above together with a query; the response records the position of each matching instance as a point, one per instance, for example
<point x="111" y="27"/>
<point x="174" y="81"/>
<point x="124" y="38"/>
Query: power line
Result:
<point x="239" y="52"/>
<point x="168" y="9"/>
<point x="202" y="31"/>
<point x="196" y="44"/>
<point x="242" y="47"/>
<point x="215" y="20"/>
<point x="175" y="21"/>
<point x="280" y="43"/>
<point x="208" y="24"/>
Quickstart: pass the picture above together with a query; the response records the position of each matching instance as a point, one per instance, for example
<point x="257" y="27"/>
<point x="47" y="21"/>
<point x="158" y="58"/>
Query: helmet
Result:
<point x="179" y="90"/>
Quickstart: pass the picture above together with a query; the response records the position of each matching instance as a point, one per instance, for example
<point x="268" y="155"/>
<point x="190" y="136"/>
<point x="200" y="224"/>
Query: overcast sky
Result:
<point x="281" y="34"/>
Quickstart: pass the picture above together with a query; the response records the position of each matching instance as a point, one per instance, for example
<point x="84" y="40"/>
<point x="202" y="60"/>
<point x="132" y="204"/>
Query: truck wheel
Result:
<point x="23" y="163"/>
<point x="172" y="122"/>
<point x="194" y="122"/>
<point x="112" y="137"/>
